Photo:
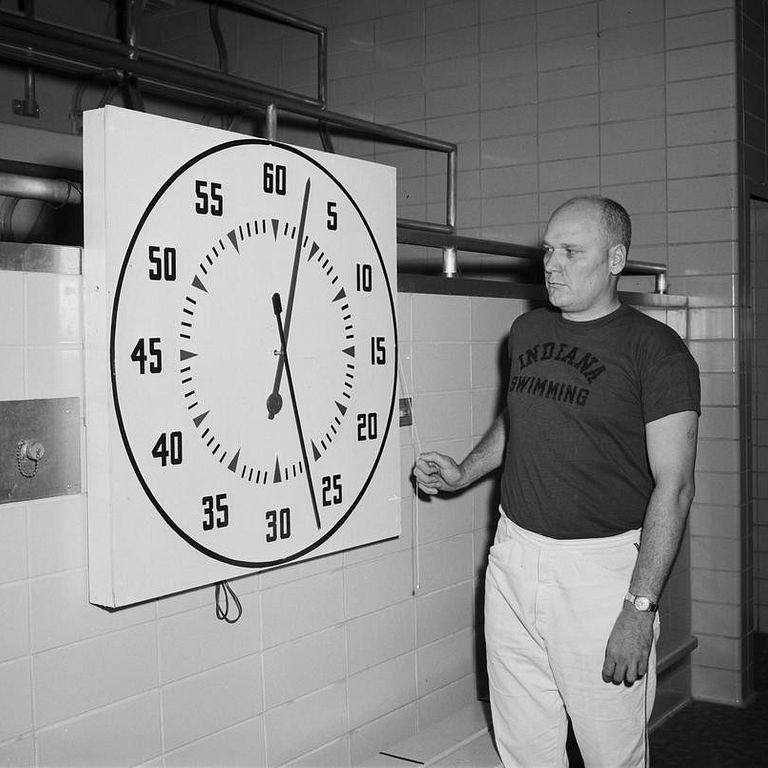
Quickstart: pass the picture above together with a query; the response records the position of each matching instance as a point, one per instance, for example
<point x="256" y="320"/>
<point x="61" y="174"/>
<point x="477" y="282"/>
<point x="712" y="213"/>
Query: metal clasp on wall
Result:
<point x="29" y="454"/>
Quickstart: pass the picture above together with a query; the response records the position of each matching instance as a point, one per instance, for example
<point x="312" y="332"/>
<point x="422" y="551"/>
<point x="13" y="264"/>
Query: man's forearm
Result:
<point x="662" y="532"/>
<point x="488" y="454"/>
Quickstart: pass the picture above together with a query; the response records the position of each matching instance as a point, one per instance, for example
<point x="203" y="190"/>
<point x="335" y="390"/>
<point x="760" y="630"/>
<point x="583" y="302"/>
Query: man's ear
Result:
<point x="617" y="256"/>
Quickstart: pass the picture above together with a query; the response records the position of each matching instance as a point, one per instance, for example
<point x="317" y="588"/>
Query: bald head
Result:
<point x="613" y="217"/>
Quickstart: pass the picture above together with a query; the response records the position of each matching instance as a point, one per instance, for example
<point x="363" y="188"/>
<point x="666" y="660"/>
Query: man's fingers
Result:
<point x="422" y="473"/>
<point x="429" y="472"/>
<point x="635" y="672"/>
<point x="430" y="458"/>
<point x="619" y="674"/>
<point x="425" y="469"/>
<point x="427" y="477"/>
<point x="434" y="462"/>
<point x="618" y="671"/>
<point x="428" y="487"/>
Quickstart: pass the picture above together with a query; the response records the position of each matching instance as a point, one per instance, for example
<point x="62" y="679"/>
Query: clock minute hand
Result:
<point x="275" y="401"/>
<point x="277" y="306"/>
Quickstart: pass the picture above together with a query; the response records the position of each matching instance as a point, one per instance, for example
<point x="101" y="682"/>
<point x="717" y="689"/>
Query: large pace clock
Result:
<point x="241" y="354"/>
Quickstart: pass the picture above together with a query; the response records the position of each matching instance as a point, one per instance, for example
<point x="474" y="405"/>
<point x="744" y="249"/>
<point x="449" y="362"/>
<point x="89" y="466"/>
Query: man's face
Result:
<point x="579" y="266"/>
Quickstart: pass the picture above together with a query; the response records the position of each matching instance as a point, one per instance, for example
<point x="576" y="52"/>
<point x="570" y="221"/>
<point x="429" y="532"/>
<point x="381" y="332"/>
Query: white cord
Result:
<point x="416" y="450"/>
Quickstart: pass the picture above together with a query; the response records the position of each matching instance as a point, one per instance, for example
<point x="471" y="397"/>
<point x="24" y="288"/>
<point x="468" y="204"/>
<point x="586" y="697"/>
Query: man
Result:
<point x="598" y="442"/>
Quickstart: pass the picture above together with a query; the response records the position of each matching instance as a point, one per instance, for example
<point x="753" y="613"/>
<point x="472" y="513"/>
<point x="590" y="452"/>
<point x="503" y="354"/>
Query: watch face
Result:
<point x="643" y="604"/>
<point x="253" y="353"/>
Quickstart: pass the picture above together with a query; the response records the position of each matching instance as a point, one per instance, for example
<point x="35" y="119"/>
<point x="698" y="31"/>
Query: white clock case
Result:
<point x="133" y="554"/>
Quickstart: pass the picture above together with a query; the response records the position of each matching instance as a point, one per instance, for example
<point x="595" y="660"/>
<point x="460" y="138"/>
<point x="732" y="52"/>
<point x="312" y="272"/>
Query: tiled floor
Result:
<point x="716" y="736"/>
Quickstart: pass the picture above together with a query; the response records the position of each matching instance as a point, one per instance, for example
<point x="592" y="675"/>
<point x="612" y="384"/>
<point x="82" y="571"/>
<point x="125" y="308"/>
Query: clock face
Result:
<point x="253" y="353"/>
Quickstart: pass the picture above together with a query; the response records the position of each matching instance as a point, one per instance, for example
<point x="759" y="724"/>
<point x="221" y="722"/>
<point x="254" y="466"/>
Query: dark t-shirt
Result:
<point x="579" y="397"/>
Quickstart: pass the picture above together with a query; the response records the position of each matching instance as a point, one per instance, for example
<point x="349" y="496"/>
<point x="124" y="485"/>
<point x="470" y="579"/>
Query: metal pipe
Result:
<point x="322" y="67"/>
<point x="450" y="264"/>
<point x="63" y="49"/>
<point x="439" y="236"/>
<point x="271" y="122"/>
<point x="28" y="106"/>
<point x="406" y="226"/>
<point x="411" y="233"/>
<point x="386" y="132"/>
<point x="130" y="13"/>
<point x="451" y="191"/>
<point x="218" y="37"/>
<point x="325" y="138"/>
<point x="648" y="268"/>
<point x="56" y="191"/>
<point x="161" y="73"/>
<point x="274" y="14"/>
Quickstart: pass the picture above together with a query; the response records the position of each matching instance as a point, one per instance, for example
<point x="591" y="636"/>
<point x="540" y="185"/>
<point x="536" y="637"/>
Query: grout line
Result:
<point x="404" y="759"/>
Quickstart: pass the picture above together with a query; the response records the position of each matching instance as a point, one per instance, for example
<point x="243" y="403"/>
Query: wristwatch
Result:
<point x="641" y="603"/>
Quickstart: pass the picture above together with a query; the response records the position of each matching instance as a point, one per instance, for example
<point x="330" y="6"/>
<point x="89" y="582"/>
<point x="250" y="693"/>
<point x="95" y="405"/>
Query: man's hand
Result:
<point x="629" y="646"/>
<point x="437" y="472"/>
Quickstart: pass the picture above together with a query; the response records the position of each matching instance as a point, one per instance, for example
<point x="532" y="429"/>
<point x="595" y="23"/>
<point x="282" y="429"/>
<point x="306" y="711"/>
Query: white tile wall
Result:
<point x="16" y="701"/>
<point x="12" y="309"/>
<point x="306" y="723"/>
<point x="295" y="669"/>
<point x="301" y="607"/>
<point x="378" y="584"/>
<point x="446" y="660"/>
<point x="84" y="676"/>
<point x="379" y="636"/>
<point x="216" y="642"/>
<point x="446" y="562"/>
<point x="330" y="756"/>
<point x="203" y="704"/>
<point x="19" y="753"/>
<point x="445" y="701"/>
<point x="381" y="689"/>
<point x="242" y="744"/>
<point x="57" y="535"/>
<point x="445" y="612"/>
<point x="13" y="543"/>
<point x="127" y="733"/>
<point x="61" y="614"/>
<point x="14" y="603"/>
<point x="448" y="519"/>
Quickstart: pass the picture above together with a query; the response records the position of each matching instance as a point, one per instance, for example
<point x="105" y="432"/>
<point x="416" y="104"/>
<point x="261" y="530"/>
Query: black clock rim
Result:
<point x="116" y="399"/>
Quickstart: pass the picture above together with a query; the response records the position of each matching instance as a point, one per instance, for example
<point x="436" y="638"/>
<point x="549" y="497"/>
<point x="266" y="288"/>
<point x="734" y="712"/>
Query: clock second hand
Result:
<point x="277" y="306"/>
<point x="274" y="400"/>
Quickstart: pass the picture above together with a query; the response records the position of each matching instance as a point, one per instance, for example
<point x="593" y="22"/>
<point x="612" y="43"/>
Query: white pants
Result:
<point x="550" y="606"/>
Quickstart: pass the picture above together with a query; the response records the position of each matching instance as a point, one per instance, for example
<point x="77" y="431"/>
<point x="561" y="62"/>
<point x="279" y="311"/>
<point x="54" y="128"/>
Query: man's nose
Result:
<point x="550" y="261"/>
